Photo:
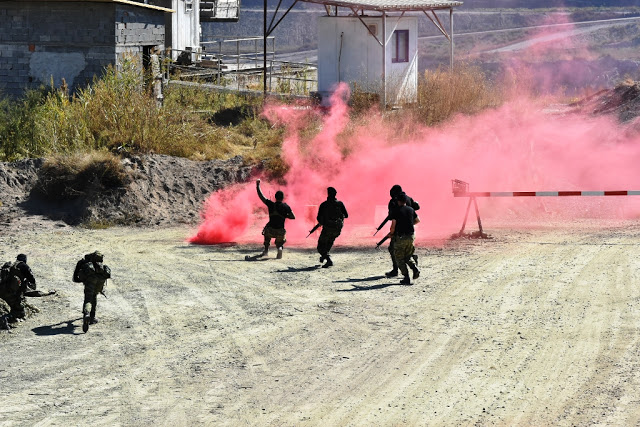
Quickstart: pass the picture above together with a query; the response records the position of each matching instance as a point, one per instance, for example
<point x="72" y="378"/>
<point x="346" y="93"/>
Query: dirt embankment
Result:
<point x="162" y="190"/>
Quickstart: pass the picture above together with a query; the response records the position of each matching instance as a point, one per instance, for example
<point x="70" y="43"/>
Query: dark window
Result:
<point x="400" y="46"/>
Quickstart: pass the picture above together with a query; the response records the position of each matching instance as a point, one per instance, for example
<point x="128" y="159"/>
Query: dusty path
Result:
<point x="534" y="327"/>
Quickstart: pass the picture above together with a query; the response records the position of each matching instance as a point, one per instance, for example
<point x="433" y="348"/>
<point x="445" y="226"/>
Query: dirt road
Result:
<point x="534" y="327"/>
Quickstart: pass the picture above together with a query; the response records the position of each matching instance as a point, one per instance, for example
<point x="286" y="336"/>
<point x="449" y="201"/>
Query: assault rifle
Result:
<point x="105" y="285"/>
<point x="381" y="225"/>
<point x="384" y="239"/>
<point x="318" y="225"/>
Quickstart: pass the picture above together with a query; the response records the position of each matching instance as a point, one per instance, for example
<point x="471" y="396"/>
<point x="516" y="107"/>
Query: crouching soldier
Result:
<point x="93" y="274"/>
<point x="27" y="276"/>
<point x="12" y="289"/>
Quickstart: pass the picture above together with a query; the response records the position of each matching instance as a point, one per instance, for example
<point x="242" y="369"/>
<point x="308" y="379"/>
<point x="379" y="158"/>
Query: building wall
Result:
<point x="348" y="53"/>
<point x="41" y="42"/>
<point x="136" y="31"/>
<point x="183" y="27"/>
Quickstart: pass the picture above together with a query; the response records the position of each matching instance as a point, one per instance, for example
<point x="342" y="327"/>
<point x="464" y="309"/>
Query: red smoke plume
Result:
<point x="518" y="147"/>
<point x="521" y="146"/>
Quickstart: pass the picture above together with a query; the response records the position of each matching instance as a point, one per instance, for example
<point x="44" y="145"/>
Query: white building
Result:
<point x="374" y="46"/>
<point x="183" y="26"/>
<point x="350" y="52"/>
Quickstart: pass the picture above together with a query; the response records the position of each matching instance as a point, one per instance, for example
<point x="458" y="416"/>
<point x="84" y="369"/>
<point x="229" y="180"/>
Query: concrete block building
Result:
<point x="50" y="40"/>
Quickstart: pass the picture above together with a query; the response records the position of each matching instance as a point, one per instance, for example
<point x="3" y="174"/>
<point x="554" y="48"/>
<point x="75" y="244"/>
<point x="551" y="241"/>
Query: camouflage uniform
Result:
<point x="403" y="220"/>
<point x="12" y="291"/>
<point x="280" y="234"/>
<point x="278" y="213"/>
<point x="93" y="274"/>
<point x="396" y="191"/>
<point x="403" y="253"/>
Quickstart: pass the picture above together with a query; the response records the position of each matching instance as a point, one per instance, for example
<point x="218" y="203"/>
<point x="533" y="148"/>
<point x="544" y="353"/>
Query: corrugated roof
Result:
<point x="390" y="5"/>
<point x="128" y="2"/>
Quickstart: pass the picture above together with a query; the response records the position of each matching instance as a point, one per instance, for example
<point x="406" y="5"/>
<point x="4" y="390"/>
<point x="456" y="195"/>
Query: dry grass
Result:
<point x="116" y="114"/>
<point x="444" y="93"/>
<point x="64" y="177"/>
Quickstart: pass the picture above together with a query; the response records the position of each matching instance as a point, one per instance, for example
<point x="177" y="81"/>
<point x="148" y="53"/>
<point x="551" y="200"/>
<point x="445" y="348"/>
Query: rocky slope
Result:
<point x="162" y="190"/>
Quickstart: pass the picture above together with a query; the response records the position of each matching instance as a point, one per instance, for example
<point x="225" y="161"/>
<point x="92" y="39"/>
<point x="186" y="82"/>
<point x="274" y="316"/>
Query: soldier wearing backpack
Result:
<point x="331" y="215"/>
<point x="12" y="288"/>
<point x="93" y="274"/>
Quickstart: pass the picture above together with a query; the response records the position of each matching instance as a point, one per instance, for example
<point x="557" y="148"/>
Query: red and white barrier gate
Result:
<point x="461" y="189"/>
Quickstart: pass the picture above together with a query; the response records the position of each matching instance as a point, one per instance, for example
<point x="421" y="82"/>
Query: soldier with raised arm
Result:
<point x="278" y="213"/>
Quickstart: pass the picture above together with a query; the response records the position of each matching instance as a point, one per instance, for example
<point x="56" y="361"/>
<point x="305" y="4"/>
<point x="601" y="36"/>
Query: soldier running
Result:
<point x="278" y="213"/>
<point x="402" y="231"/>
<point x="93" y="274"/>
<point x="331" y="215"/>
<point x="396" y="191"/>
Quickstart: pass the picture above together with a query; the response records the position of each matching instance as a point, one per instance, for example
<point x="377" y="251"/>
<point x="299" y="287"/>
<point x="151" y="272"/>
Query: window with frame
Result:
<point x="188" y="5"/>
<point x="400" y="46"/>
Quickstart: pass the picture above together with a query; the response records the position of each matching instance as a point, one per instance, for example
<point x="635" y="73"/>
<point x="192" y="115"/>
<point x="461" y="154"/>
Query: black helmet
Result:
<point x="395" y="191"/>
<point x="22" y="257"/>
<point x="331" y="192"/>
<point x="95" y="256"/>
<point x="403" y="198"/>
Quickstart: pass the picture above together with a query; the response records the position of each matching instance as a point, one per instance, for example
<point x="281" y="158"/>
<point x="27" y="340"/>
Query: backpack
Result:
<point x="76" y="272"/>
<point x="11" y="277"/>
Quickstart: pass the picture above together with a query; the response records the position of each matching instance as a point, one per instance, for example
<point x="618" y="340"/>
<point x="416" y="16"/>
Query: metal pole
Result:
<point x="238" y="63"/>
<point x="384" y="60"/>
<point x="478" y="218"/>
<point x="466" y="215"/>
<point x="264" y="47"/>
<point x="451" y="38"/>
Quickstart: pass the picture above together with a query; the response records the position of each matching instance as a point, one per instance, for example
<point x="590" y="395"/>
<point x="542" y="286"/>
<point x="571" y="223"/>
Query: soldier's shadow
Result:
<point x="298" y="270"/>
<point x="59" y="328"/>
<point x="357" y="287"/>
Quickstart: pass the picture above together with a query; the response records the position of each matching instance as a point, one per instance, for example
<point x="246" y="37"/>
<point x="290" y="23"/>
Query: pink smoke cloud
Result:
<point x="518" y="147"/>
<point x="521" y="146"/>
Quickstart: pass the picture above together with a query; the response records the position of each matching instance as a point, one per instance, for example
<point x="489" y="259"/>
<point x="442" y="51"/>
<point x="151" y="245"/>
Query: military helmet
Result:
<point x="22" y="257"/>
<point x="395" y="191"/>
<point x="95" y="256"/>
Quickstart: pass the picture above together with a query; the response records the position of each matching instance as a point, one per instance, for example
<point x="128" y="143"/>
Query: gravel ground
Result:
<point x="537" y="326"/>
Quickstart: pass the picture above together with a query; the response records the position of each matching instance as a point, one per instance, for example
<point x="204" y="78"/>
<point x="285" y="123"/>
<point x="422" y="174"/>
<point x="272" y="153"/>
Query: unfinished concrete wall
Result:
<point x="137" y="30"/>
<point x="44" y="42"/>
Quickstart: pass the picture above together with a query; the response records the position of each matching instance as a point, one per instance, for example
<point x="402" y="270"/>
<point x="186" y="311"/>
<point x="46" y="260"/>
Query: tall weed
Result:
<point x="444" y="93"/>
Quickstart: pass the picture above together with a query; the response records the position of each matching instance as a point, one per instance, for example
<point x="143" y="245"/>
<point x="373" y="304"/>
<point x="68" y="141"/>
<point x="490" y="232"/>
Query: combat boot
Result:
<point x="405" y="281"/>
<point x="392" y="273"/>
<point x="4" y="323"/>
<point x="279" y="256"/>
<point x="416" y="273"/>
<point x="265" y="252"/>
<point x="322" y="258"/>
<point x="329" y="263"/>
<point x="86" y="319"/>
